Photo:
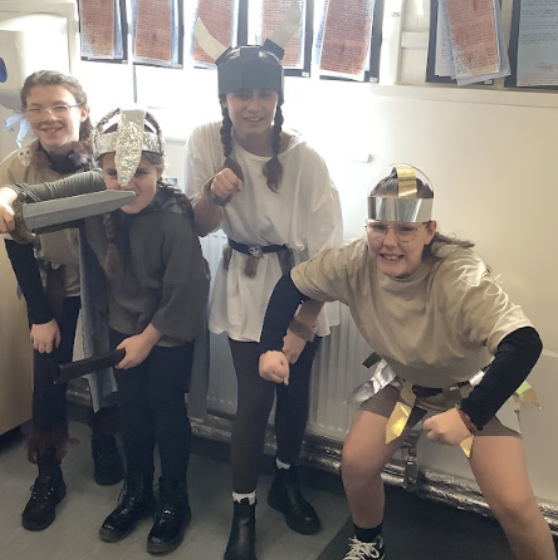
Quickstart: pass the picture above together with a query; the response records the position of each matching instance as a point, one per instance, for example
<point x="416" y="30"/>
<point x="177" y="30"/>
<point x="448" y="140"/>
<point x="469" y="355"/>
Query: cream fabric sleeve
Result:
<point x="202" y="157"/>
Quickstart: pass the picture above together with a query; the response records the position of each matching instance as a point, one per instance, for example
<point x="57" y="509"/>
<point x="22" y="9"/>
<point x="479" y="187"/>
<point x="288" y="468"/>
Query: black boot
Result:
<point x="47" y="492"/>
<point x="107" y="461"/>
<point x="137" y="502"/>
<point x="284" y="496"/>
<point x="242" y="538"/>
<point x="172" y="517"/>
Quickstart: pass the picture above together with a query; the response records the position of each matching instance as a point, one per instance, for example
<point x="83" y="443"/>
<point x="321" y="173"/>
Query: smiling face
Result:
<point x="395" y="257"/>
<point x="143" y="184"/>
<point x="54" y="117"/>
<point x="252" y="112"/>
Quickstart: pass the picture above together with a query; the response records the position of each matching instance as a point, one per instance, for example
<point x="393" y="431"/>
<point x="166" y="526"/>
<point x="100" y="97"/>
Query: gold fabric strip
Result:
<point x="407" y="179"/>
<point x="401" y="412"/>
<point x="466" y="446"/>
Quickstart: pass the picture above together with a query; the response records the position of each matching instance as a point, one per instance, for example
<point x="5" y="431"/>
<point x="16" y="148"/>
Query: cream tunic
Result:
<point x="304" y="214"/>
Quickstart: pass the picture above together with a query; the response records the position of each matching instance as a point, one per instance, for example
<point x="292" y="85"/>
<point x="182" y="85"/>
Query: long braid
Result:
<point x="273" y="170"/>
<point x="112" y="264"/>
<point x="226" y="140"/>
<point x="180" y="196"/>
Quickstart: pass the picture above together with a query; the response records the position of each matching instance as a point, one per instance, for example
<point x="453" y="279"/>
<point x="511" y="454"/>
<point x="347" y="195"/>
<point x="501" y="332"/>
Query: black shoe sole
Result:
<point x="160" y="549"/>
<point x="109" y="536"/>
<point x="300" y="529"/>
<point x="235" y="556"/>
<point x="108" y="481"/>
<point x="164" y="548"/>
<point x="49" y="520"/>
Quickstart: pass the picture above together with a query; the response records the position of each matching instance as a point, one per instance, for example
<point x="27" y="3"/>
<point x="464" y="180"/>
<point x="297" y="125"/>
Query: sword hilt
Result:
<point x="20" y="234"/>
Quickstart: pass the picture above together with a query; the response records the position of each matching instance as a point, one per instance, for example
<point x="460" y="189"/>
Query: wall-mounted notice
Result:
<point x="101" y="29"/>
<point x="344" y="50"/>
<point x="467" y="42"/>
<point x="537" y="49"/>
<point x="153" y="31"/>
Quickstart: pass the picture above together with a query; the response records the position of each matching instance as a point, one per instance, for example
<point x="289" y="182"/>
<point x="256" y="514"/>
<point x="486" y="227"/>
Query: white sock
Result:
<point x="281" y="465"/>
<point x="239" y="497"/>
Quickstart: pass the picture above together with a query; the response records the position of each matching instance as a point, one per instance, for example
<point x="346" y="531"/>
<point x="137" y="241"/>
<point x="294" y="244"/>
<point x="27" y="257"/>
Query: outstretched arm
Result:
<point x="81" y="183"/>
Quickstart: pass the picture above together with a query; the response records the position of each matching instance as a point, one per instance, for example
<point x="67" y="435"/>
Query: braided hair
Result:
<point x="272" y="170"/>
<point x="113" y="261"/>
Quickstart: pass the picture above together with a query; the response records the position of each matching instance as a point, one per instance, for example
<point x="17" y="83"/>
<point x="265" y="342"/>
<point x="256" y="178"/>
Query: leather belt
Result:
<point x="255" y="251"/>
<point x="427" y="392"/>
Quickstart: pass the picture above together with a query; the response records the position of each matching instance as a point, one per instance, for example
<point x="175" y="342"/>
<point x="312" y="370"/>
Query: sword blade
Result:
<point x="39" y="215"/>
<point x="66" y="372"/>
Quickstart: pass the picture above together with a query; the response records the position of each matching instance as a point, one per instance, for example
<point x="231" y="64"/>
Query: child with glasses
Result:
<point x="47" y="273"/>
<point x="435" y="315"/>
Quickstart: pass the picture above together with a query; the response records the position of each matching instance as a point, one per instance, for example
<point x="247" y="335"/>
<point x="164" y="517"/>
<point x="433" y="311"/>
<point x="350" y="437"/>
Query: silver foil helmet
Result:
<point x="405" y="205"/>
<point x="137" y="131"/>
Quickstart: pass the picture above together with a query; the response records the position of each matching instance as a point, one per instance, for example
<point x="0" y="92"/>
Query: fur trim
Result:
<point x="40" y="442"/>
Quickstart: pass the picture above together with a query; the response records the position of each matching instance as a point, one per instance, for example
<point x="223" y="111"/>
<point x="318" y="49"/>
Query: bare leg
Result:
<point x="365" y="454"/>
<point x="498" y="464"/>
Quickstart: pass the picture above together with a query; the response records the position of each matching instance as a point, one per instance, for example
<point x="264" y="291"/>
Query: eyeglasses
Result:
<point x="403" y="232"/>
<point x="59" y="111"/>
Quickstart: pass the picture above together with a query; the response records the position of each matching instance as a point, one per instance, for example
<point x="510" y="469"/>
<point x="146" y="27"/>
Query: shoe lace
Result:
<point x="42" y="489"/>
<point x="365" y="551"/>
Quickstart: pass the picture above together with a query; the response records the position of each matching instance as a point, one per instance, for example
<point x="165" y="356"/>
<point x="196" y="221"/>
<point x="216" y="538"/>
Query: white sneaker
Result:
<point x="366" y="551"/>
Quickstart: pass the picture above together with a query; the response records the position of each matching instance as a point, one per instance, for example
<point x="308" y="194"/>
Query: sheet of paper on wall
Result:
<point x="220" y="17"/>
<point x="270" y="14"/>
<point x="444" y="58"/>
<point x="100" y="23"/>
<point x="477" y="41"/>
<point x="156" y="32"/>
<point x="343" y="45"/>
<point x="537" y="54"/>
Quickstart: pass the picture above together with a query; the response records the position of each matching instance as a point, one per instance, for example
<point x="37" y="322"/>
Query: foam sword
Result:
<point x="38" y="216"/>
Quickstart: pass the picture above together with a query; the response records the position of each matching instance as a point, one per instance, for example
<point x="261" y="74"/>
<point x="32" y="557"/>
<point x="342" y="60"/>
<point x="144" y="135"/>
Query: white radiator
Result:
<point x="337" y="368"/>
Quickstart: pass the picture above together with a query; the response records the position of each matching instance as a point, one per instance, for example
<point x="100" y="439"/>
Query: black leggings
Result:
<point x="255" y="399"/>
<point x="153" y="410"/>
<point x="49" y="400"/>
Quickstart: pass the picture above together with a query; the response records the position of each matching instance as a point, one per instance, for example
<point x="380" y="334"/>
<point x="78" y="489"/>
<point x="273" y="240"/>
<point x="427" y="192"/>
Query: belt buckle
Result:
<point x="255" y="251"/>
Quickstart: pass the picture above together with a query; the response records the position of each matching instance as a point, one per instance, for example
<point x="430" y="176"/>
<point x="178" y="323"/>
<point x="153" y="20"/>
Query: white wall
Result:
<point x="491" y="156"/>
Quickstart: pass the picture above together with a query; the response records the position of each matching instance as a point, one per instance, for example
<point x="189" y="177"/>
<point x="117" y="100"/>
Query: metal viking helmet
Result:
<point x="253" y="66"/>
<point x="137" y="131"/>
<point x="406" y="206"/>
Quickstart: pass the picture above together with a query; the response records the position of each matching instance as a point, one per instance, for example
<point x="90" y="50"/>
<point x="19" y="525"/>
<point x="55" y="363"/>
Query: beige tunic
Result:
<point x="434" y="328"/>
<point x="56" y="249"/>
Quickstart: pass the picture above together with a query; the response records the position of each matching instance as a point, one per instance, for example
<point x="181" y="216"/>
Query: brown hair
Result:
<point x="272" y="170"/>
<point x="390" y="186"/>
<point x="113" y="265"/>
<point x="53" y="78"/>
